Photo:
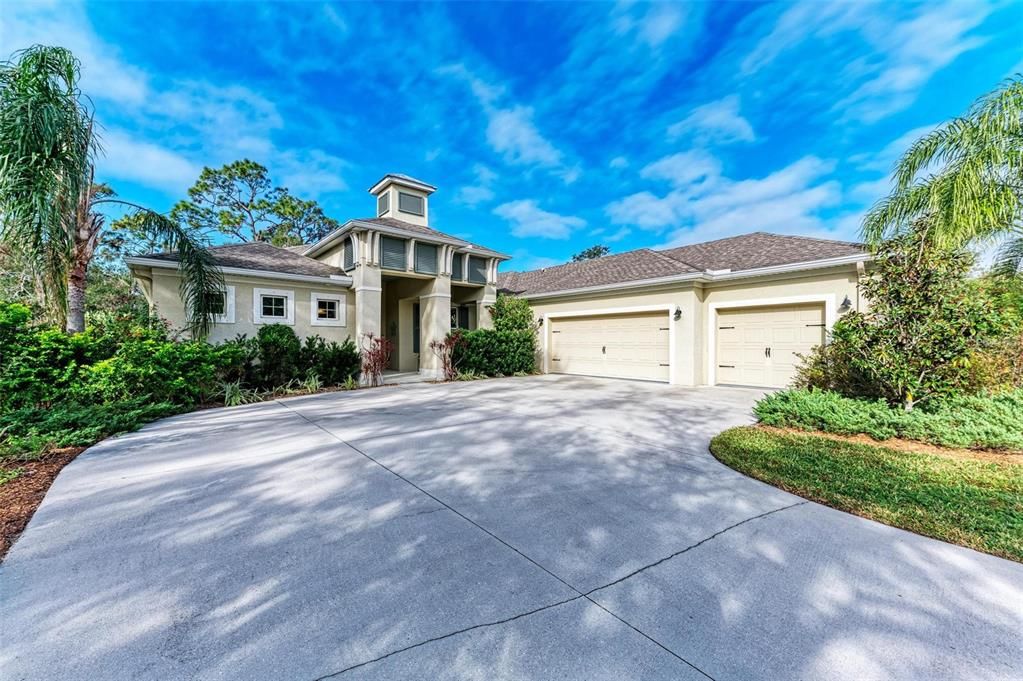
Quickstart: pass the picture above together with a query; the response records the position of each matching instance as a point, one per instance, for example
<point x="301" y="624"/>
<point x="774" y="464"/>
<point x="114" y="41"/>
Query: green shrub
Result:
<point x="332" y="362"/>
<point x="496" y="353"/>
<point x="279" y="350"/>
<point x="14" y="318"/>
<point x="185" y="373"/>
<point x="29" y="431"/>
<point x="926" y="326"/>
<point x="44" y="365"/>
<point x="977" y="422"/>
<point x="512" y="314"/>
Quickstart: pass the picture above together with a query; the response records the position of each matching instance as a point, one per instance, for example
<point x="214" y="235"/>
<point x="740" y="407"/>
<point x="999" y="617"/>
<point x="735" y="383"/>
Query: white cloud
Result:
<point x="709" y="206"/>
<point x="127" y="158"/>
<point x="511" y="132"/>
<point x="311" y="173"/>
<point x="480" y="192"/>
<point x="618" y="163"/>
<point x="684" y="168"/>
<point x="885" y="159"/>
<point x="898" y="55"/>
<point x="528" y="219"/>
<point x="160" y="132"/>
<point x="716" y="122"/>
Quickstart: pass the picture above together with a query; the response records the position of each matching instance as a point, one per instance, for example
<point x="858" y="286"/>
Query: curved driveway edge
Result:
<point x="518" y="528"/>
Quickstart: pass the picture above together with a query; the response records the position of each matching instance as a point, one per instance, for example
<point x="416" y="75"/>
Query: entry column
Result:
<point x="435" y="324"/>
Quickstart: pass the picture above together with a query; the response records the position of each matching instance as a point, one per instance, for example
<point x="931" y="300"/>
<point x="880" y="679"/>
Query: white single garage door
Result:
<point x="618" y="346"/>
<point x="758" y="346"/>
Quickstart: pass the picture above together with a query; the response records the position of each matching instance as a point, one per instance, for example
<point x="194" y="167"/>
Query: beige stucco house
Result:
<point x="733" y="311"/>
<point x="391" y="275"/>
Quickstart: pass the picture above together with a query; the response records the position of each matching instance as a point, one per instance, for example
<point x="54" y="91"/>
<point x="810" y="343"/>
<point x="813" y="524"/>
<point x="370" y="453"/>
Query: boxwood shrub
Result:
<point x="496" y="353"/>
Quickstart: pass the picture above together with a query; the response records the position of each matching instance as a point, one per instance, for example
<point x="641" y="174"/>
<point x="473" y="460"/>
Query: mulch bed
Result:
<point x="20" y="497"/>
<point x="912" y="446"/>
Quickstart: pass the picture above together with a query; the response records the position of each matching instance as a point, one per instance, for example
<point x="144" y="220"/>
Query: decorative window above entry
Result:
<point x="392" y="253"/>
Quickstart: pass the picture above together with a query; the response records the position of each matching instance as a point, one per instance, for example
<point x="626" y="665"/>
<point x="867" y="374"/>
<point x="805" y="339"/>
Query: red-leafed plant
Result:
<point x="445" y="350"/>
<point x="376" y="353"/>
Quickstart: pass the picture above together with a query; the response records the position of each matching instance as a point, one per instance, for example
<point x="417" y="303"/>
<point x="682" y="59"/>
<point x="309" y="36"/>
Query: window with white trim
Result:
<point x="222" y="306"/>
<point x="326" y="309"/>
<point x="383" y="203"/>
<point x="273" y="306"/>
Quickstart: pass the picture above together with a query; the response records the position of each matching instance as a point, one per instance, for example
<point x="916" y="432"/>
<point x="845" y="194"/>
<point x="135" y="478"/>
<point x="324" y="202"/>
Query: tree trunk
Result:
<point x="76" y="297"/>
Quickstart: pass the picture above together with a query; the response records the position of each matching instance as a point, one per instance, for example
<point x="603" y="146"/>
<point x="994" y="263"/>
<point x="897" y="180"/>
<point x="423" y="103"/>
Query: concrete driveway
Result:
<point x="546" y="527"/>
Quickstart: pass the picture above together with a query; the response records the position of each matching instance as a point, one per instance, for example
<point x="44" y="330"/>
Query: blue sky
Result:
<point x="547" y="127"/>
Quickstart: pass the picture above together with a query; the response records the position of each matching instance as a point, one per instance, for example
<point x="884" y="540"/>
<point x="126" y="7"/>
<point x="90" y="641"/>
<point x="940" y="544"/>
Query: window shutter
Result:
<point x="349" y="257"/>
<point x="392" y="253"/>
<point x="456" y="267"/>
<point x="477" y="269"/>
<point x="426" y="258"/>
<point x="383" y="203"/>
<point x="410" y="203"/>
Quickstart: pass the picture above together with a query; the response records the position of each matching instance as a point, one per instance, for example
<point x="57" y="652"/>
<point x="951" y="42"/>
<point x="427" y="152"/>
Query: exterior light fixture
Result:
<point x="846" y="305"/>
<point x="539" y="321"/>
<point x="678" y="313"/>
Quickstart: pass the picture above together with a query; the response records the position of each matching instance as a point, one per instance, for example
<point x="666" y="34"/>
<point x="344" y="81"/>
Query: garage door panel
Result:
<point x="744" y="334"/>
<point x="618" y="346"/>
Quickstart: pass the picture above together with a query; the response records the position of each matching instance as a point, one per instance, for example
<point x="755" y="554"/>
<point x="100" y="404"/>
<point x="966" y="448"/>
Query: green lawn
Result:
<point x="966" y="501"/>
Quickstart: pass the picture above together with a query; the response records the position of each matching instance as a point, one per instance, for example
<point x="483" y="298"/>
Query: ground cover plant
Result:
<point x="973" y="502"/>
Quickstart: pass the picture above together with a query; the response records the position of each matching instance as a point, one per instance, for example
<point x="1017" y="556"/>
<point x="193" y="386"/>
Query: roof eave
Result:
<point x="331" y="280"/>
<point x="707" y="276"/>
<point x="349" y="226"/>
<point x="407" y="182"/>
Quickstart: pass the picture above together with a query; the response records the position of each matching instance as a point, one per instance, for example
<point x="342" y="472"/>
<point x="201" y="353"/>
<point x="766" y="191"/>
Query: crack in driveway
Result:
<point x="580" y="594"/>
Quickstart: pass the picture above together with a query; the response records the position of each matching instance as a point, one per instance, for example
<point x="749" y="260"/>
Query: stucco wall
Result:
<point x="698" y="303"/>
<point x="167" y="302"/>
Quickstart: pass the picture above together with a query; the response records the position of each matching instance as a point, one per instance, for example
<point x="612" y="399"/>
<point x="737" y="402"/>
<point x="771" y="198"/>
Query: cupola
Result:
<point x="403" y="198"/>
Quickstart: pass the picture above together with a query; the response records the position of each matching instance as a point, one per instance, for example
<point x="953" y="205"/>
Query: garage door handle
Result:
<point x="603" y="349"/>
<point x="726" y="366"/>
<point x="767" y="352"/>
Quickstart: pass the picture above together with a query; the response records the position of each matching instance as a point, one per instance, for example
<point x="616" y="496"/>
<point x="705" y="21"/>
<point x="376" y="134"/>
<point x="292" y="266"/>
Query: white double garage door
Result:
<point x="754" y="346"/>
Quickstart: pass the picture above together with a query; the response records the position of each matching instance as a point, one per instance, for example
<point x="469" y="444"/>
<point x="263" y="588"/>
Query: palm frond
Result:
<point x="1009" y="259"/>
<point x="47" y="148"/>
<point x="964" y="179"/>
<point x="200" y="277"/>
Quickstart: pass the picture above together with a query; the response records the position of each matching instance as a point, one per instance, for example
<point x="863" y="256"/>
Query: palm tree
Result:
<point x="49" y="202"/>
<point x="964" y="181"/>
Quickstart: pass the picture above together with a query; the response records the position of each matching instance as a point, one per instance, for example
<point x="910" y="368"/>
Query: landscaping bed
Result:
<point x="24" y="484"/>
<point x="972" y="499"/>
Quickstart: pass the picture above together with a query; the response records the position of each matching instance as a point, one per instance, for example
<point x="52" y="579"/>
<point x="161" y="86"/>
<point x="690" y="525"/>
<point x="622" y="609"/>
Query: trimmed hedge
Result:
<point x="974" y="422"/>
<point x="496" y="353"/>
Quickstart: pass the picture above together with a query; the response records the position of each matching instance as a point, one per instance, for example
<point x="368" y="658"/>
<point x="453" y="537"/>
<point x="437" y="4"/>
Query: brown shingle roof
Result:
<point x="745" y="252"/>
<point x="257" y="255"/>
<point x="760" y="249"/>
<point x="611" y="269"/>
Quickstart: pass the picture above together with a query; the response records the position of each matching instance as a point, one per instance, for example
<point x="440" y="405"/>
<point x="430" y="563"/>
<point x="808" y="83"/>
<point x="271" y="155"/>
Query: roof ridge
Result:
<point x="665" y="256"/>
